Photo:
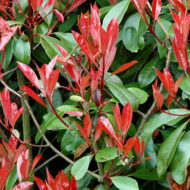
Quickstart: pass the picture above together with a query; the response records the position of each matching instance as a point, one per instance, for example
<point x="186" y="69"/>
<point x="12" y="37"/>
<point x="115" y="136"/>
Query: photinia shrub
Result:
<point x="100" y="89"/>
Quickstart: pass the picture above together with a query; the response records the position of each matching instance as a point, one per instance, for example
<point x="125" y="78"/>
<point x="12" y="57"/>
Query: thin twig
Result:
<point x="46" y="162"/>
<point x="149" y="112"/>
<point x="8" y="72"/>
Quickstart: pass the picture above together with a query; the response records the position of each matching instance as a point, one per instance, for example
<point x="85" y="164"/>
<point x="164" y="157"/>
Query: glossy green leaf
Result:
<point x="11" y="179"/>
<point x="22" y="51"/>
<point x="67" y="40"/>
<point x="162" y="36"/>
<point x="181" y="159"/>
<point x="168" y="149"/>
<point x="48" y="43"/>
<point x="70" y="142"/>
<point x="147" y="75"/>
<point x="123" y="95"/>
<point x="67" y="24"/>
<point x="80" y="167"/>
<point x="146" y="174"/>
<point x="106" y="154"/>
<point x="124" y="183"/>
<point x="159" y="120"/>
<point x="133" y="31"/>
<point x="140" y="94"/>
<point x="185" y="85"/>
<point x="50" y="121"/>
<point x="8" y="55"/>
<point x="118" y="11"/>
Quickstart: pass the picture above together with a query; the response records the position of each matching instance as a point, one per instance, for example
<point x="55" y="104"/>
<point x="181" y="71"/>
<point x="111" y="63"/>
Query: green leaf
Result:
<point x="162" y="36"/>
<point x="160" y="120"/>
<point x="147" y="75"/>
<point x="106" y="154"/>
<point x="118" y="11"/>
<point x="123" y="95"/>
<point x="140" y="94"/>
<point x="8" y="55"/>
<point x="185" y="85"/>
<point x="50" y="121"/>
<point x="48" y="43"/>
<point x="124" y="183"/>
<point x="167" y="150"/>
<point x="70" y="142"/>
<point x="22" y="51"/>
<point x="80" y="167"/>
<point x="181" y="159"/>
<point x="76" y="98"/>
<point x="67" y="40"/>
<point x="67" y="24"/>
<point x="11" y="179"/>
<point x="146" y="174"/>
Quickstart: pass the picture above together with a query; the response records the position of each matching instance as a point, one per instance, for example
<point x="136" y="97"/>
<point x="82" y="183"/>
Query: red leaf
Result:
<point x="87" y="125"/>
<point x="83" y="133"/>
<point x="74" y="113"/>
<point x="107" y="126"/>
<point x="75" y="4"/>
<point x="127" y="115"/>
<point x="113" y="2"/>
<point x="14" y="114"/>
<point x="112" y="32"/>
<point x="142" y="147"/>
<point x="167" y="81"/>
<point x="158" y="97"/>
<point x="129" y="145"/>
<point x="98" y="132"/>
<point x="36" y="4"/>
<point x="61" y="181"/>
<point x="48" y="4"/>
<point x="169" y="100"/>
<point x="59" y="15"/>
<point x="84" y="46"/>
<point x="156" y="8"/>
<point x="137" y="146"/>
<point x="177" y="83"/>
<point x="6" y="33"/>
<point x="140" y="6"/>
<point x="62" y="50"/>
<point x="50" y="179"/>
<point x="180" y="49"/>
<point x="83" y="24"/>
<point x="40" y="183"/>
<point x="23" y="186"/>
<point x="95" y="25"/>
<point x="117" y="116"/>
<point x="23" y="164"/>
<point x="32" y="94"/>
<point x="73" y="184"/>
<point x="52" y="80"/>
<point x="124" y="67"/>
<point x="29" y="73"/>
<point x="178" y="6"/>
<point x="35" y="161"/>
<point x="6" y="104"/>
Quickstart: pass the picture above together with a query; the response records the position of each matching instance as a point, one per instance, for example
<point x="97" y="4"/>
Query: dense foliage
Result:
<point x="94" y="94"/>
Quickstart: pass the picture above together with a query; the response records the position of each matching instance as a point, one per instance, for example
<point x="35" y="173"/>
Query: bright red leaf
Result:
<point x="75" y="4"/>
<point x="156" y="8"/>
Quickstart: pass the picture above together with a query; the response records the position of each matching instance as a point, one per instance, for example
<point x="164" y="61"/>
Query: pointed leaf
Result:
<point x="117" y="116"/>
<point x="80" y="167"/>
<point x="156" y="8"/>
<point x="40" y="183"/>
<point x="23" y="185"/>
<point x="127" y="115"/>
<point x="32" y="94"/>
<point x="124" y="183"/>
<point x="168" y="149"/>
<point x="30" y="75"/>
<point x="124" y="67"/>
<point x="75" y="4"/>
